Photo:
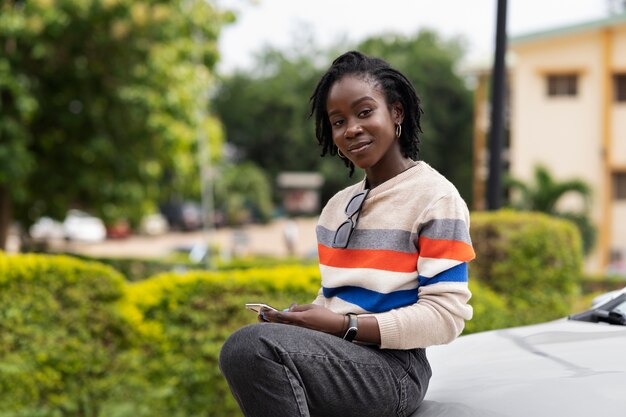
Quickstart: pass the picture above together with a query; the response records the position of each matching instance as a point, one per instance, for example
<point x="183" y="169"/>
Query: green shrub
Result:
<point x="263" y="262"/>
<point x="187" y="317"/>
<point x="599" y="284"/>
<point x="137" y="269"/>
<point x="490" y="309"/>
<point x="532" y="259"/>
<point x="62" y="339"/>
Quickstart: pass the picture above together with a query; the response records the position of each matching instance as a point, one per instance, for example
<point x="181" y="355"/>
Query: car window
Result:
<point x="621" y="308"/>
<point x="612" y="311"/>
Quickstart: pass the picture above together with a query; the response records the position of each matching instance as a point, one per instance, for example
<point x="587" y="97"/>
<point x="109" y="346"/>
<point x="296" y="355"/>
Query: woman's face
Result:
<point x="363" y="125"/>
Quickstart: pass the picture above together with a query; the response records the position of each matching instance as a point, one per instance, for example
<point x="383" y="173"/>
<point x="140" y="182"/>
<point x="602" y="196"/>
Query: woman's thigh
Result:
<point x="333" y="377"/>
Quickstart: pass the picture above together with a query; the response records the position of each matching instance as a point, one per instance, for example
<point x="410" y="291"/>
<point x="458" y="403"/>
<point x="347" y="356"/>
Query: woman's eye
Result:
<point x="365" y="113"/>
<point x="337" y="123"/>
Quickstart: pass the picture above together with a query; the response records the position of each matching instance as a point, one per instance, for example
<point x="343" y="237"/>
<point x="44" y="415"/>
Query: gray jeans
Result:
<point x="276" y="370"/>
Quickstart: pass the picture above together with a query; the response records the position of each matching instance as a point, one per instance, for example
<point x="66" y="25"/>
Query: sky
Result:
<point x="278" y="23"/>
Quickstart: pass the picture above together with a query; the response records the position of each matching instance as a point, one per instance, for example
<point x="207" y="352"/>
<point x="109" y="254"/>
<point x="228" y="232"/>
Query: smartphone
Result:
<point x="256" y="307"/>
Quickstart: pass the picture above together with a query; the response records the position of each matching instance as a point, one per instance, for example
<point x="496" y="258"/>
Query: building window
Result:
<point x="619" y="87"/>
<point x="619" y="186"/>
<point x="562" y="85"/>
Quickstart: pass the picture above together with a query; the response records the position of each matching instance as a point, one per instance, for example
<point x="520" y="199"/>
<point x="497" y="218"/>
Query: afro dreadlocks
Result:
<point x="395" y="87"/>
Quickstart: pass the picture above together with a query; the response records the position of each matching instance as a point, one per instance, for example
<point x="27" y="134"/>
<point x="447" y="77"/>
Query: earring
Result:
<point x="398" y="130"/>
<point x="342" y="156"/>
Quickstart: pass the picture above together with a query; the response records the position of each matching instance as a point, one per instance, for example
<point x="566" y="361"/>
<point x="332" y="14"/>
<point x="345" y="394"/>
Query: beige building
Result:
<point x="568" y="112"/>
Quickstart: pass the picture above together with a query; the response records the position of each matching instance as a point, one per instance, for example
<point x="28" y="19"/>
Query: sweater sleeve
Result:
<point x="320" y="299"/>
<point x="444" y="250"/>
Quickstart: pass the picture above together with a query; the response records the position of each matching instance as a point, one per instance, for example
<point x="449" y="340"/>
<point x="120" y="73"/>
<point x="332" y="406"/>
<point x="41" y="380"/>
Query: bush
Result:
<point x="186" y="319"/>
<point x="62" y="339"/>
<point x="490" y="309"/>
<point x="532" y="259"/>
<point x="137" y="269"/>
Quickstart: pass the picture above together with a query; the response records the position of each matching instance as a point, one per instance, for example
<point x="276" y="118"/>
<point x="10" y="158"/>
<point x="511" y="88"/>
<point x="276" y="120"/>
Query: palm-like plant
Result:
<point x="544" y="192"/>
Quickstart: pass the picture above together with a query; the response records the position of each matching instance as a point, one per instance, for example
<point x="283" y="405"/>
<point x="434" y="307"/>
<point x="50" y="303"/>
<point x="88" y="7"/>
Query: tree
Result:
<point x="430" y="63"/>
<point x="266" y="114"/>
<point x="243" y="193"/>
<point x="271" y="128"/>
<point x="543" y="193"/>
<point x="99" y="103"/>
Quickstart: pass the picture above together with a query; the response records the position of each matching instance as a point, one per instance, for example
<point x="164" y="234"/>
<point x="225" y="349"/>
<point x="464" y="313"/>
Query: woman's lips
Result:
<point x="359" y="147"/>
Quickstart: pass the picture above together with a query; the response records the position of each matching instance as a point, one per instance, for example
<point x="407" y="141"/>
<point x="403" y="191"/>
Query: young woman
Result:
<point x="393" y="254"/>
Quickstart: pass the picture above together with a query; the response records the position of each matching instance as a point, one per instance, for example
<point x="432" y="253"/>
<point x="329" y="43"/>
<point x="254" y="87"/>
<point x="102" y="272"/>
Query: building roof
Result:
<point x="311" y="180"/>
<point x="610" y="21"/>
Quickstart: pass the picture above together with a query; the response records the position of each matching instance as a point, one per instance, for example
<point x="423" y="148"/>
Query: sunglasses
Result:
<point x="344" y="231"/>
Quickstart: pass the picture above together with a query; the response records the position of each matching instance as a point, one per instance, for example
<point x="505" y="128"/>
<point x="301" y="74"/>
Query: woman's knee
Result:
<point x="239" y="348"/>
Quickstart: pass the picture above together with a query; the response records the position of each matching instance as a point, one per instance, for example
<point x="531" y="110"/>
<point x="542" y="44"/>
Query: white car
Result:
<point x="571" y="367"/>
<point x="84" y="227"/>
<point x="46" y="228"/>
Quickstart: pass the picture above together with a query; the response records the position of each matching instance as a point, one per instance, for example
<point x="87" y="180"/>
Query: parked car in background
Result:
<point x="119" y="230"/>
<point x="183" y="215"/>
<point x="84" y="227"/>
<point x="46" y="228"/>
<point x="572" y="367"/>
<point x="78" y="225"/>
<point x="153" y="225"/>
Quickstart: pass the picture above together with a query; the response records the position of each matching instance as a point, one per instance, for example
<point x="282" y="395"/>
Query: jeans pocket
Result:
<point x="414" y="383"/>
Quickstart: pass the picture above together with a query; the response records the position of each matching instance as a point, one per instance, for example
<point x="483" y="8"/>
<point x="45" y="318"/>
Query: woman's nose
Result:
<point x="352" y="130"/>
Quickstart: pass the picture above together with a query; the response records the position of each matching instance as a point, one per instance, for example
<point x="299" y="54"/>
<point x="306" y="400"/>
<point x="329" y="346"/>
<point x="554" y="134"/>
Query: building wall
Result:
<point x="566" y="133"/>
<point x="619" y="109"/>
<point x="618" y="130"/>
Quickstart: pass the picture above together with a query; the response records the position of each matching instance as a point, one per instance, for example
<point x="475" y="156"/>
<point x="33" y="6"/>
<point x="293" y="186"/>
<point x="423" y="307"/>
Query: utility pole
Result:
<point x="496" y="134"/>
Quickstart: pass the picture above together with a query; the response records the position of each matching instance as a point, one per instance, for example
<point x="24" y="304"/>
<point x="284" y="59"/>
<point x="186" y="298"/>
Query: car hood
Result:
<point x="561" y="368"/>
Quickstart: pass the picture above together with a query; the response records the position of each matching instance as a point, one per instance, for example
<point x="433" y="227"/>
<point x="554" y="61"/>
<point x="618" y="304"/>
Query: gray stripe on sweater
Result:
<point x="376" y="239"/>
<point x="448" y="229"/>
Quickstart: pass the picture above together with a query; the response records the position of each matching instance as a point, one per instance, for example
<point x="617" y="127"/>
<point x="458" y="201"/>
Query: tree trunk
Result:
<point x="6" y="216"/>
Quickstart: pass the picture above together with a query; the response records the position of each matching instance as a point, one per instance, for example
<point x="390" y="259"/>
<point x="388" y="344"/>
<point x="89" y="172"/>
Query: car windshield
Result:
<point x="612" y="311"/>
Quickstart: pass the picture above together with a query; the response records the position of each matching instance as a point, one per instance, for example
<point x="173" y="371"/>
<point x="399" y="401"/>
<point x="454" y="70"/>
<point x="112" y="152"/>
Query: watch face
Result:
<point x="350" y="334"/>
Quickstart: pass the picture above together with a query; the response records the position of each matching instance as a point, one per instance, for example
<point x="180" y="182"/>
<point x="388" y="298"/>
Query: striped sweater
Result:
<point x="406" y="262"/>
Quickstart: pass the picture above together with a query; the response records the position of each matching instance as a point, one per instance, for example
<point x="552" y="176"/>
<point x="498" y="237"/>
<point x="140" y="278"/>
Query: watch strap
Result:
<point x="353" y="328"/>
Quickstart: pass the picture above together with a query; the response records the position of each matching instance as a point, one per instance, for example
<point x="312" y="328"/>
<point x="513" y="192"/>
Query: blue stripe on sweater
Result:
<point x="373" y="301"/>
<point x="457" y="273"/>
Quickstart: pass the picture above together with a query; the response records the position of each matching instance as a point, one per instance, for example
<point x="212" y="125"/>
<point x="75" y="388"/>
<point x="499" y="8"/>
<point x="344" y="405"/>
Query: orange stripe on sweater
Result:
<point x="385" y="260"/>
<point x="446" y="249"/>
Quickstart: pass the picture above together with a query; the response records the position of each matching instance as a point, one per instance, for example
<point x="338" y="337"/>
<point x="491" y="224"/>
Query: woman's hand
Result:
<point x="311" y="316"/>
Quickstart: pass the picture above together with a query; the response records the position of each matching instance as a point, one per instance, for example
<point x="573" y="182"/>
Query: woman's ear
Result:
<point x="397" y="112"/>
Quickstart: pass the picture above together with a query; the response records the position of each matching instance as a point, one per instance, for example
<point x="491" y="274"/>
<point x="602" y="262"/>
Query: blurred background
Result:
<point x="157" y="128"/>
<point x="159" y="169"/>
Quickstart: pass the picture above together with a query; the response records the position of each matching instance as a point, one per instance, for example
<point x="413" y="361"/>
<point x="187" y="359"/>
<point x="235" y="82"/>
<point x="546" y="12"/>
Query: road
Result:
<point x="250" y="239"/>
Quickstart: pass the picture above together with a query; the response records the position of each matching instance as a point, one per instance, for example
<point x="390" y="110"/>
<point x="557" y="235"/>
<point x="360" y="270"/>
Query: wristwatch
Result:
<point x="353" y="328"/>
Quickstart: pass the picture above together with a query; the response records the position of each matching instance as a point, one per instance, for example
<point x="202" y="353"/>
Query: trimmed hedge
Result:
<point x="137" y="269"/>
<point x="77" y="340"/>
<point x="62" y="339"/>
<point x="533" y="260"/>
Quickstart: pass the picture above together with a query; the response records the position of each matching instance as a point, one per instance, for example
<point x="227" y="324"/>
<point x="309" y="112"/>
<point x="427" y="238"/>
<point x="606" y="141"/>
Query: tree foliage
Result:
<point x="543" y="192"/>
<point x="100" y="102"/>
<point x="265" y="110"/>
<point x="243" y="193"/>
<point x="265" y="113"/>
<point x="430" y="63"/>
